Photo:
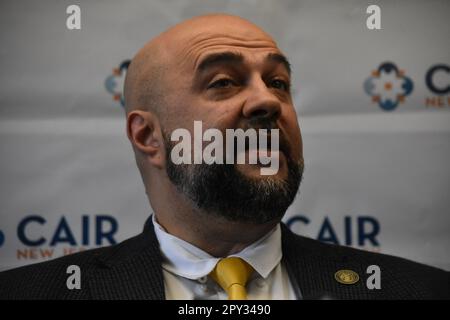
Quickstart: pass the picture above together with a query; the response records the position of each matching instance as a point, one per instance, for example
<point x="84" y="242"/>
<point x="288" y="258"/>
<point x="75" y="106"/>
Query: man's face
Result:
<point x="231" y="78"/>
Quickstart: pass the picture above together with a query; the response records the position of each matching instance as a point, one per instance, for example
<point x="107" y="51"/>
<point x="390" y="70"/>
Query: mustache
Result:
<point x="258" y="123"/>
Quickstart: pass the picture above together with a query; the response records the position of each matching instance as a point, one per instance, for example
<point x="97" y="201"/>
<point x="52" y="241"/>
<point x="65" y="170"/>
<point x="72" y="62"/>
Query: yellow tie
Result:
<point x="232" y="275"/>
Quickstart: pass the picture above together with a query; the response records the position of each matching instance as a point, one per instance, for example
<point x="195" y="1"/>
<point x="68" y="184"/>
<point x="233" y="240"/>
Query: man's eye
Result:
<point x="280" y="84"/>
<point x="222" y="83"/>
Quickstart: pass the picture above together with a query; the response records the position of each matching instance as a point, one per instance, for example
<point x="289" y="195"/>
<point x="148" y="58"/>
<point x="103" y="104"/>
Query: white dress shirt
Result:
<point x="186" y="269"/>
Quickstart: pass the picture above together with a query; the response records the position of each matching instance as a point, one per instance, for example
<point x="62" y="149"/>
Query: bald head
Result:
<point x="146" y="81"/>
<point x="219" y="69"/>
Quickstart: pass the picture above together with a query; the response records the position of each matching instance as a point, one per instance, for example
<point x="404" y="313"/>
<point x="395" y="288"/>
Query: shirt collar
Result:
<point x="188" y="261"/>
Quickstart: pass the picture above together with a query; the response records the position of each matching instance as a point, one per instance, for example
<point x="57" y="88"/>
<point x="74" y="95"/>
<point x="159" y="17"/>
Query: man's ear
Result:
<point x="145" y="134"/>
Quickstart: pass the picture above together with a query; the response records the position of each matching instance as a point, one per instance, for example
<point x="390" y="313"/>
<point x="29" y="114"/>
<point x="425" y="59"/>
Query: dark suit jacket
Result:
<point x="132" y="270"/>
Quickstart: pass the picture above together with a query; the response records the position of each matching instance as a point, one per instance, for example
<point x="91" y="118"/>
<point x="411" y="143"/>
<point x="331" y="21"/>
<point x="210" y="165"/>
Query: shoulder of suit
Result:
<point x="47" y="280"/>
<point x="344" y="253"/>
<point x="398" y="274"/>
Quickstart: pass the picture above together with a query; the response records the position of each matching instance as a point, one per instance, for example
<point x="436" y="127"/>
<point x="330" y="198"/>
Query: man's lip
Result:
<point x="265" y="153"/>
<point x="268" y="150"/>
<point x="283" y="144"/>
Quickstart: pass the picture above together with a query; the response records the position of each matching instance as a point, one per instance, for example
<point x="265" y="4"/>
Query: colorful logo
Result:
<point x="114" y="82"/>
<point x="388" y="86"/>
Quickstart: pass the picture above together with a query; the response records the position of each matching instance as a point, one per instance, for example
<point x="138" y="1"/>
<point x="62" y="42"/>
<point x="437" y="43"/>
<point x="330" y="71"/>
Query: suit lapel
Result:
<point x="311" y="266"/>
<point x="130" y="270"/>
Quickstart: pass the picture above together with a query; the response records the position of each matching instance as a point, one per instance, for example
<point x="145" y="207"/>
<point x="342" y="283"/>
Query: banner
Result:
<point x="373" y="108"/>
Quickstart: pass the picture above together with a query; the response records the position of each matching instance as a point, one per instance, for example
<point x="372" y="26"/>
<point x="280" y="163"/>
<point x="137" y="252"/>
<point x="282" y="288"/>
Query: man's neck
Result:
<point x="212" y="233"/>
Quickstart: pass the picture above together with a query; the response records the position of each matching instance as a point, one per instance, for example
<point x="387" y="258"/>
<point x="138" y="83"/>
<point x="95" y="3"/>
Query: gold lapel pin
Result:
<point x="346" y="276"/>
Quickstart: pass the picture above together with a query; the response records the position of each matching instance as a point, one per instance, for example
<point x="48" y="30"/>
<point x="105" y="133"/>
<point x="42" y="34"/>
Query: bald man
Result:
<point x="216" y="230"/>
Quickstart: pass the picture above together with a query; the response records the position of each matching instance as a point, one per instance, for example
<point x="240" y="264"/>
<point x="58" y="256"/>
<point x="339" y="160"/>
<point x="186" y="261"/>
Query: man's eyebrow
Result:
<point x="220" y="58"/>
<point x="276" y="57"/>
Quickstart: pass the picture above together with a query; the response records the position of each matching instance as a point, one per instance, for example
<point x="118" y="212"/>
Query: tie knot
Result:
<point x="232" y="275"/>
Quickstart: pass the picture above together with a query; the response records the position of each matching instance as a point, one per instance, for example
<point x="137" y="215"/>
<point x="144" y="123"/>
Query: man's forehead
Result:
<point x="214" y="26"/>
<point x="191" y="40"/>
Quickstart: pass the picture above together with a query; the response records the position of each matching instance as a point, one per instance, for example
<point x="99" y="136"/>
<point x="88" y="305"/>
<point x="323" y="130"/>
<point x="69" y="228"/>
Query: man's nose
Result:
<point x="261" y="102"/>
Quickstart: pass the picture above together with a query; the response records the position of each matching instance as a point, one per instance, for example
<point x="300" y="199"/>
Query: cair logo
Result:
<point x="46" y="238"/>
<point x="114" y="82"/>
<point x="388" y="86"/>
<point x="356" y="231"/>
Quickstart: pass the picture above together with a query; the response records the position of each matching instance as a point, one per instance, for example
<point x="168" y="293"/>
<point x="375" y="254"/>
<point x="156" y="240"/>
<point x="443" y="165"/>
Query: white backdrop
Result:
<point x="374" y="179"/>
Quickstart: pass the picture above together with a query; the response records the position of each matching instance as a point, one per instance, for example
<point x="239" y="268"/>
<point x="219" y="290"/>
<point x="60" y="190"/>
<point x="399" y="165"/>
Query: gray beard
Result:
<point x="222" y="190"/>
